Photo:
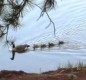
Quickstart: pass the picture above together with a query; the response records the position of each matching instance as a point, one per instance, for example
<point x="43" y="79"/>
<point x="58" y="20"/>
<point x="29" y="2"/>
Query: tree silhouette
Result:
<point x="12" y="10"/>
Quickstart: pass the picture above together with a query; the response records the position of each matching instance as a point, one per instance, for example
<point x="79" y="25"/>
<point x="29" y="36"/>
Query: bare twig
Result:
<point x="7" y="32"/>
<point x="52" y="23"/>
<point x="48" y="4"/>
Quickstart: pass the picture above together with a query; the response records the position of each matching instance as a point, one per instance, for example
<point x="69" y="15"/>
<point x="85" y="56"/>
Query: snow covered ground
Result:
<point x="70" y="21"/>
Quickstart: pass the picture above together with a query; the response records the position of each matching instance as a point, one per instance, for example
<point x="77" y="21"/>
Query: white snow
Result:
<point x="70" y="21"/>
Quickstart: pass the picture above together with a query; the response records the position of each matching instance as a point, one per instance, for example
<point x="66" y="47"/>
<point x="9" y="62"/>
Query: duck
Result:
<point x="61" y="43"/>
<point x="50" y="45"/>
<point x="19" y="49"/>
<point x="42" y="46"/>
<point x="35" y="46"/>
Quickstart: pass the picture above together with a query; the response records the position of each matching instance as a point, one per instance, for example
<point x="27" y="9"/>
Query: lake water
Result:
<point x="41" y="61"/>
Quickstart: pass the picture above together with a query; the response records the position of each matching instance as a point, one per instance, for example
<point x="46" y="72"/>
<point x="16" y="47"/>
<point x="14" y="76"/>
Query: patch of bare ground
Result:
<point x="60" y="74"/>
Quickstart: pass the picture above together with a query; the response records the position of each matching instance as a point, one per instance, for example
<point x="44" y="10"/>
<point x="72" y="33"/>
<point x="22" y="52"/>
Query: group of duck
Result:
<point x="49" y="45"/>
<point x="25" y="47"/>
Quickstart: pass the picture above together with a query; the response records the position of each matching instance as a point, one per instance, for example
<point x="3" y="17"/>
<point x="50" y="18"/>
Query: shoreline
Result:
<point x="76" y="73"/>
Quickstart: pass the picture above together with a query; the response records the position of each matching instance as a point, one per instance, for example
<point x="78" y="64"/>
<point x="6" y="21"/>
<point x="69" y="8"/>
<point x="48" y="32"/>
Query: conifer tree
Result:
<point x="12" y="10"/>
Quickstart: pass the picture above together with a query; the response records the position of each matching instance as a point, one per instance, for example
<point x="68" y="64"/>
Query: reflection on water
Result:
<point x="44" y="60"/>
